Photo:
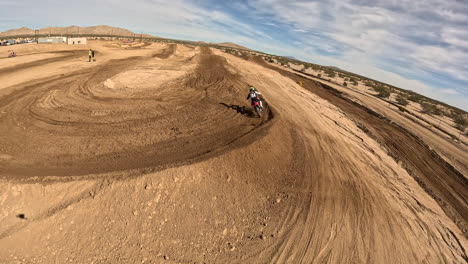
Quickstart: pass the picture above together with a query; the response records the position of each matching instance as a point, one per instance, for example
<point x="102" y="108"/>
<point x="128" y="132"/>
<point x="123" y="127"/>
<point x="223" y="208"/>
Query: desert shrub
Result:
<point x="460" y="122"/>
<point x="401" y="100"/>
<point x="329" y="72"/>
<point x="341" y="75"/>
<point x="319" y="75"/>
<point x="353" y="81"/>
<point x="430" y="109"/>
<point x="345" y="84"/>
<point x="383" y="92"/>
<point x="415" y="98"/>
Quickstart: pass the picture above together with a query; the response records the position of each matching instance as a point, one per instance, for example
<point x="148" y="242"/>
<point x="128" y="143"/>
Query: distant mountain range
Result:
<point x="225" y="44"/>
<point x="94" y="30"/>
<point x="335" y="68"/>
<point x="232" y="45"/>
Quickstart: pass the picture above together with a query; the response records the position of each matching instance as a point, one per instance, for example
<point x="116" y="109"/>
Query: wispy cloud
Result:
<point x="449" y="91"/>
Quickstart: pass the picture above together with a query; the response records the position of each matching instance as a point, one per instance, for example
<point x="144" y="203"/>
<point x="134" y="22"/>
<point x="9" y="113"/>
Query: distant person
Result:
<point x="90" y="55"/>
<point x="253" y="96"/>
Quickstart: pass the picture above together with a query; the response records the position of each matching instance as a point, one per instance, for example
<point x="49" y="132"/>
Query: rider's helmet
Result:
<point x="252" y="88"/>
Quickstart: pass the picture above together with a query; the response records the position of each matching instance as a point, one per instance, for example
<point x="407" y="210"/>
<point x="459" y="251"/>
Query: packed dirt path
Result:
<point x="154" y="156"/>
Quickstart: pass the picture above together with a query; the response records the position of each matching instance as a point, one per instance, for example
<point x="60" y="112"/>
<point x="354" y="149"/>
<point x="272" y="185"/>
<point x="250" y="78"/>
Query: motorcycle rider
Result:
<point x="253" y="96"/>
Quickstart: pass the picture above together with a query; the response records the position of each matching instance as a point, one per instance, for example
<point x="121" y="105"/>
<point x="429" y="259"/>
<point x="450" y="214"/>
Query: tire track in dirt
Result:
<point x="72" y="125"/>
<point x="64" y="55"/>
<point x="440" y="180"/>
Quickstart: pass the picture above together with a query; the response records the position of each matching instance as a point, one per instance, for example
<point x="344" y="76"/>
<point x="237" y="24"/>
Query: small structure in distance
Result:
<point x="74" y="41"/>
<point x="51" y="40"/>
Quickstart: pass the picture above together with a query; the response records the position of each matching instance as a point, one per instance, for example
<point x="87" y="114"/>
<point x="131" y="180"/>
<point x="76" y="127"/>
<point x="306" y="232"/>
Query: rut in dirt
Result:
<point x="74" y="125"/>
<point x="62" y="56"/>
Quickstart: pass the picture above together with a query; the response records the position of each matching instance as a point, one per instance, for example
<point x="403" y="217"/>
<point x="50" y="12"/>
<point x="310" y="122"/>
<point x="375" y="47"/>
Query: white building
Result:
<point x="51" y="40"/>
<point x="74" y="41"/>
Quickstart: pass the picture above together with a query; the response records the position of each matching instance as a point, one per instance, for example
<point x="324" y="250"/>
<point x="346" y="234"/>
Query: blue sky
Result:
<point x="420" y="45"/>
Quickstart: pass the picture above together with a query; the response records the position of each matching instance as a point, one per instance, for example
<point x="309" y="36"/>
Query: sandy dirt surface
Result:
<point x="153" y="155"/>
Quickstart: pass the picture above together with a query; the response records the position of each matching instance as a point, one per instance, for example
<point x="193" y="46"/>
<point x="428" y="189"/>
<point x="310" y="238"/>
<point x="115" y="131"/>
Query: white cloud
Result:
<point x="449" y="91"/>
<point x="300" y="30"/>
<point x="456" y="36"/>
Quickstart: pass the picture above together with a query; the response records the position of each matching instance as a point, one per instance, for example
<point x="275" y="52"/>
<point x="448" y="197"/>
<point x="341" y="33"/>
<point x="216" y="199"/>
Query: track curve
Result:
<point x="76" y="125"/>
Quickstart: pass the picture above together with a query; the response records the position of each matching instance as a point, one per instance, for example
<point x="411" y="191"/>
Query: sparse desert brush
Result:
<point x="415" y="98"/>
<point x="345" y="84"/>
<point x="331" y="74"/>
<point x="401" y="100"/>
<point x="431" y="109"/>
<point x="383" y="92"/>
<point x="460" y="122"/>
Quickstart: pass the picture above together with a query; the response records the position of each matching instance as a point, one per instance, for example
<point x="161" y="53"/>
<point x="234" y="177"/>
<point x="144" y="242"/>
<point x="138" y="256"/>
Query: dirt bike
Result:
<point x="11" y="55"/>
<point x="258" y="108"/>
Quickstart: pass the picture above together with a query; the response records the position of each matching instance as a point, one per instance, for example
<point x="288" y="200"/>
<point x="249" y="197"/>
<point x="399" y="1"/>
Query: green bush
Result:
<point x="401" y="100"/>
<point x="382" y="91"/>
<point x="430" y="109"/>
<point x="415" y="98"/>
<point x="460" y="122"/>
<point x="345" y="84"/>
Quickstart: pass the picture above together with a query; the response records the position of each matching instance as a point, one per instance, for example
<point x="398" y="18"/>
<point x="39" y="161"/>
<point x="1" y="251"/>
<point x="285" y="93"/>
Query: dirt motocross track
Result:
<point x="153" y="155"/>
<point x="105" y="131"/>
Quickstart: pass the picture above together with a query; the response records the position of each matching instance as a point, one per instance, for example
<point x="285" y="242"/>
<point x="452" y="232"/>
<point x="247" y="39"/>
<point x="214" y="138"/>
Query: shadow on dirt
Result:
<point x="21" y="216"/>
<point x="242" y="110"/>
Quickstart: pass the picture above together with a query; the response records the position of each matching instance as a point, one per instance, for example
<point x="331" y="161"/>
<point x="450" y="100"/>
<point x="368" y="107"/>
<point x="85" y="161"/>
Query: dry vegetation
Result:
<point x="384" y="91"/>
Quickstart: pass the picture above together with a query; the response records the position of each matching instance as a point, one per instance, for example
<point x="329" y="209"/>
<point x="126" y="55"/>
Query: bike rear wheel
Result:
<point x="259" y="111"/>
